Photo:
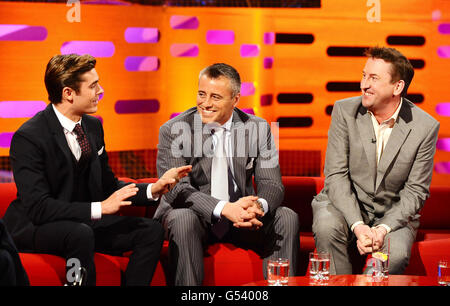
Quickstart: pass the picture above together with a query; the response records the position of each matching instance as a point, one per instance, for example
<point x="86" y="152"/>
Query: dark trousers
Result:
<point x="110" y="235"/>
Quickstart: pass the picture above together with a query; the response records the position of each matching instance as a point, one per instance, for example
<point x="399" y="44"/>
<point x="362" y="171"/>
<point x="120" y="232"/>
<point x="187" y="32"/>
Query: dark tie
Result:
<point x="83" y="142"/>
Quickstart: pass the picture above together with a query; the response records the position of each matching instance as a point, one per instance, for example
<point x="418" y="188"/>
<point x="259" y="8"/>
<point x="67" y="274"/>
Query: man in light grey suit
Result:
<point x="378" y="167"/>
<point x="227" y="149"/>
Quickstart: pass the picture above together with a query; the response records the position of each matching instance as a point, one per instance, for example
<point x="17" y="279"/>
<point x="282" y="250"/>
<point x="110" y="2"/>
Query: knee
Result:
<point x="288" y="219"/>
<point x="328" y="226"/>
<point x="398" y="261"/>
<point x="81" y="235"/>
<point x="182" y="222"/>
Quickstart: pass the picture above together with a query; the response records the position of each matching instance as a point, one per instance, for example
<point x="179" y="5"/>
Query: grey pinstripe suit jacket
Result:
<point x="396" y="189"/>
<point x="185" y="140"/>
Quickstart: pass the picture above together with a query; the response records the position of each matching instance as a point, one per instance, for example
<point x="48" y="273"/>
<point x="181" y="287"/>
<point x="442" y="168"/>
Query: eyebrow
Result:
<point x="96" y="81"/>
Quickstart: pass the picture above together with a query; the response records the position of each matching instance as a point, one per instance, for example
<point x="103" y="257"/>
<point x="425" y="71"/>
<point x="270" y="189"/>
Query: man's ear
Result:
<point x="236" y="99"/>
<point x="399" y="87"/>
<point x="67" y="94"/>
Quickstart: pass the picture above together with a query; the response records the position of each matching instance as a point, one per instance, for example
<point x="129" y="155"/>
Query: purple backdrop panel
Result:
<point x="14" y="32"/>
<point x="184" y="50"/>
<point x="142" y="35"/>
<point x="444" y="51"/>
<point x="268" y="62"/>
<point x="266" y="100"/>
<point x="247" y="89"/>
<point x="443" y="144"/>
<point x="444" y="28"/>
<point x="142" y="63"/>
<point x="269" y="38"/>
<point x="220" y="37"/>
<point x="137" y="106"/>
<point x="5" y="139"/>
<point x="442" y="167"/>
<point x="20" y="109"/>
<point x="179" y="22"/>
<point x="94" y="48"/>
<point x="173" y="115"/>
<point x="249" y="50"/>
<point x="443" y="109"/>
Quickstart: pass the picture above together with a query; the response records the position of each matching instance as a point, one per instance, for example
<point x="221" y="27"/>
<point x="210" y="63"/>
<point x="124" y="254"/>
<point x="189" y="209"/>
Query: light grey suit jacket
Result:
<point x="395" y="191"/>
<point x="184" y="140"/>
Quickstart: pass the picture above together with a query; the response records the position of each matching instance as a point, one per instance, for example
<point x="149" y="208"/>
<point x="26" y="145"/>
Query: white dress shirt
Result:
<point x="68" y="126"/>
<point x="228" y="151"/>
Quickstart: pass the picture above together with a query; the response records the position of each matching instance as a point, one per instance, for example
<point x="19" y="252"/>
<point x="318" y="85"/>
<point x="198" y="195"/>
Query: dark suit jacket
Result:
<point x="44" y="174"/>
<point x="184" y="140"/>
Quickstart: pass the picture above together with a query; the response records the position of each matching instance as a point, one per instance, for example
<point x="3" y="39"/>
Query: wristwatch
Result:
<point x="259" y="202"/>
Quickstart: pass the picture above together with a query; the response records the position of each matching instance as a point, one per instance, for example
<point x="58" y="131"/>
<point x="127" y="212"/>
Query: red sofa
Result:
<point x="228" y="265"/>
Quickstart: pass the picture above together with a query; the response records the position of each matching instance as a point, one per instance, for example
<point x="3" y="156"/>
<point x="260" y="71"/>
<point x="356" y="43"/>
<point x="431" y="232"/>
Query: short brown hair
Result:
<point x="65" y="71"/>
<point x="401" y="67"/>
<point x="220" y="69"/>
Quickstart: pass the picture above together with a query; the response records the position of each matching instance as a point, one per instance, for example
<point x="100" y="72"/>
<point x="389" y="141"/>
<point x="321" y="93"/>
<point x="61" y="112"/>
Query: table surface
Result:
<point x="359" y="280"/>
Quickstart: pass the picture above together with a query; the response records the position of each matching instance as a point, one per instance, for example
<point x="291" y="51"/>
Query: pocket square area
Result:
<point x="100" y="151"/>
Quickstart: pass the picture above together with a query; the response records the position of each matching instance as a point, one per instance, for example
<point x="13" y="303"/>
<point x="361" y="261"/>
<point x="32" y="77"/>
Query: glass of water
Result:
<point x="319" y="266"/>
<point x="443" y="273"/>
<point x="278" y="271"/>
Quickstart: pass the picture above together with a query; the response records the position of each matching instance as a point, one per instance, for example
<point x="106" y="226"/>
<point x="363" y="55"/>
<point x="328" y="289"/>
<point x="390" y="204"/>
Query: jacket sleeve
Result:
<point x="338" y="186"/>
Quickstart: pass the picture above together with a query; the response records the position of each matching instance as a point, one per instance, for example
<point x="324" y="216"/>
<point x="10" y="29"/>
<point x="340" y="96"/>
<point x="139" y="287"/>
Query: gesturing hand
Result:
<point x="112" y="204"/>
<point x="169" y="179"/>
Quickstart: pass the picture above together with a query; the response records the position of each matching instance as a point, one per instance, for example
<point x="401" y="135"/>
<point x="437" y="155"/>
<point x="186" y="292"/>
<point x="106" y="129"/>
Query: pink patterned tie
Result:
<point x="83" y="142"/>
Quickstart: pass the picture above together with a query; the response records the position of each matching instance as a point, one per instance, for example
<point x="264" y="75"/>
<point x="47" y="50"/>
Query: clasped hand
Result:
<point x="369" y="239"/>
<point x="244" y="213"/>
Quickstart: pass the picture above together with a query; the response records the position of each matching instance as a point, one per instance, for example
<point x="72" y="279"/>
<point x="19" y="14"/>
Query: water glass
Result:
<point x="319" y="266"/>
<point x="443" y="273"/>
<point x="380" y="266"/>
<point x="278" y="271"/>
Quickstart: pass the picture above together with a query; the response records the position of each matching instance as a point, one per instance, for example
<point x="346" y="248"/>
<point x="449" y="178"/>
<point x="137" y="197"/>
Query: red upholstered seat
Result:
<point x="226" y="264"/>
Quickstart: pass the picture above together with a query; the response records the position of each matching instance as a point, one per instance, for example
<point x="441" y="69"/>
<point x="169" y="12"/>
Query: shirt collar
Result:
<point x="66" y="123"/>
<point x="227" y="125"/>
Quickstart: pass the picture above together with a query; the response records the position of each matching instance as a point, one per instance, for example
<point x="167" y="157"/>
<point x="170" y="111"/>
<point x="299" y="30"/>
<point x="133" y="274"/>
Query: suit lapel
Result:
<point x="400" y="132"/>
<point x="239" y="159"/>
<point x="95" y="183"/>
<point x="366" y="132"/>
<point x="58" y="132"/>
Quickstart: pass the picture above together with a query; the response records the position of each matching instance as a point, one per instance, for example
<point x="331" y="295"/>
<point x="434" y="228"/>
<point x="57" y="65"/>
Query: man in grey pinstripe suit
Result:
<point x="191" y="213"/>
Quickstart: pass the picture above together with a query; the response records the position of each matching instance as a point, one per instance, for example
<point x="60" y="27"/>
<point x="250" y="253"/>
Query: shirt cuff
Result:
<point x="355" y="224"/>
<point x="96" y="210"/>
<point x="217" y="212"/>
<point x="264" y="204"/>
<point x="387" y="228"/>
<point x="149" y="193"/>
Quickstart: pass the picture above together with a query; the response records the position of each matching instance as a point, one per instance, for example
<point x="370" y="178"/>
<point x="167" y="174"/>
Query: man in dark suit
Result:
<point x="217" y="202"/>
<point x="67" y="194"/>
<point x="378" y="167"/>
